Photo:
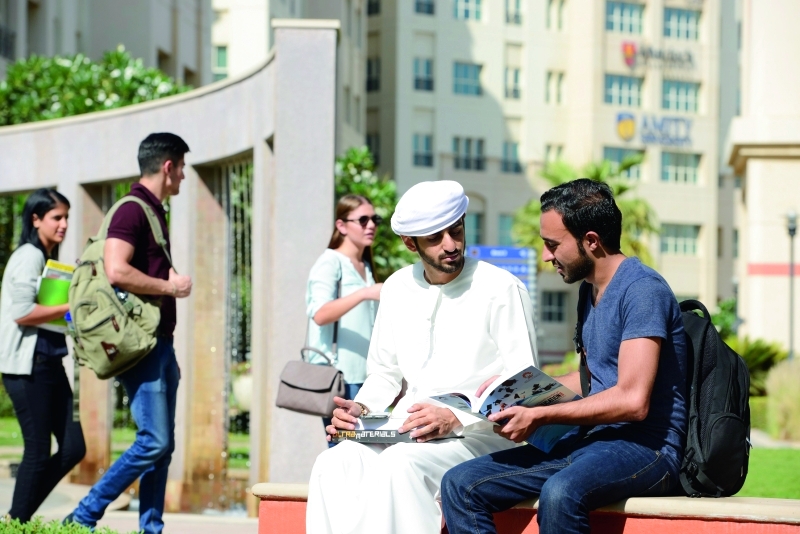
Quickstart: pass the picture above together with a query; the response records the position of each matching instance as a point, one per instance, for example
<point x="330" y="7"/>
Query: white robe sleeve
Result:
<point x="384" y="377"/>
<point x="511" y="327"/>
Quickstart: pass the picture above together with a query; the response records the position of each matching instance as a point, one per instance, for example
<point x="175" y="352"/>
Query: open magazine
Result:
<point x="529" y="387"/>
<point x="54" y="290"/>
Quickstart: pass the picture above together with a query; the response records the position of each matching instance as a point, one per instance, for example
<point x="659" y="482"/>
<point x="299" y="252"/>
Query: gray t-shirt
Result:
<point x="638" y="303"/>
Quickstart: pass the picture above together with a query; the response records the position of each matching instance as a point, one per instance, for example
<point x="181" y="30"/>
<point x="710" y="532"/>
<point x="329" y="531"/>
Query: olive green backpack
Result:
<point x="112" y="329"/>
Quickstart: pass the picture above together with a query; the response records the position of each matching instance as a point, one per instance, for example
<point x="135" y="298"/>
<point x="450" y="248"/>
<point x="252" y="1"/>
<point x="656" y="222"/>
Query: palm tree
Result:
<point x="638" y="217"/>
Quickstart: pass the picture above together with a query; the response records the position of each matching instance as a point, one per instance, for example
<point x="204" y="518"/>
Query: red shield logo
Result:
<point x="629" y="53"/>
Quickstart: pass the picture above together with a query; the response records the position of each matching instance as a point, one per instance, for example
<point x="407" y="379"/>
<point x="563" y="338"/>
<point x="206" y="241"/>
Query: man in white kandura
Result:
<point x="445" y="324"/>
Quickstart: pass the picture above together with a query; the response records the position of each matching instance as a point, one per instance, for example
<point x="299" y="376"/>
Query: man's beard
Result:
<point x="441" y="267"/>
<point x="580" y="269"/>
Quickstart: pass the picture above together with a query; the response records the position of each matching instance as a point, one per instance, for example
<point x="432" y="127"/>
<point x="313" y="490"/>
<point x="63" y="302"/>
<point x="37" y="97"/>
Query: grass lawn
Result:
<point x="773" y="473"/>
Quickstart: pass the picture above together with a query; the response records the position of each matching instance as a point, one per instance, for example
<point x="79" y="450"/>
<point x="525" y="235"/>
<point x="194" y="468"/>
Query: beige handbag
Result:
<point x="309" y="388"/>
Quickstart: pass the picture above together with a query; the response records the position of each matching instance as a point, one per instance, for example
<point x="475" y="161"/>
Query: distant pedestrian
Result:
<point x="341" y="287"/>
<point x="31" y="357"/>
<point x="136" y="263"/>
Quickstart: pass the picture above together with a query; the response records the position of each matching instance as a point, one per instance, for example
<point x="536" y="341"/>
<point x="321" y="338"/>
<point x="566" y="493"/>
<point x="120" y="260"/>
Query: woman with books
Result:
<point x="32" y="346"/>
<point x="341" y="297"/>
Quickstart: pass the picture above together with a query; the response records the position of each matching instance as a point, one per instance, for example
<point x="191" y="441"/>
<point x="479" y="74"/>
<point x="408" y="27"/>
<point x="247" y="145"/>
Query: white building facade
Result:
<point x="485" y="92"/>
<point x="242" y="37"/>
<point x="173" y="35"/>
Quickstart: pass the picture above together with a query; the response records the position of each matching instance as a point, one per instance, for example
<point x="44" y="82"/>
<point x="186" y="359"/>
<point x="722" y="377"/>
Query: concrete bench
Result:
<point x="282" y="510"/>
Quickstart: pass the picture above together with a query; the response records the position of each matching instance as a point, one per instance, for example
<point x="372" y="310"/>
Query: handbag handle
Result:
<point x="317" y="351"/>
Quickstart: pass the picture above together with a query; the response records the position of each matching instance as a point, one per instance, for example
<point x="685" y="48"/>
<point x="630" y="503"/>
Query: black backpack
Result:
<point x="718" y="438"/>
<point x="718" y="433"/>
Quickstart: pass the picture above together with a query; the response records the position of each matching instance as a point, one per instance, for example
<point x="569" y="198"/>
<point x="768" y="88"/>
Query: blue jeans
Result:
<point x="571" y="480"/>
<point x="350" y="391"/>
<point x="152" y="386"/>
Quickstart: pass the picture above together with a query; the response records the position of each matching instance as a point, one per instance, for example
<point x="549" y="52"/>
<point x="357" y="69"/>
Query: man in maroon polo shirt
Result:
<point x="135" y="263"/>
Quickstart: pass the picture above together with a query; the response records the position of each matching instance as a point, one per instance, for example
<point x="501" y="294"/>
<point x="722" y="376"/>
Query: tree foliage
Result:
<point x="355" y="173"/>
<point x="638" y="217"/>
<point x="41" y="88"/>
<point x="725" y="319"/>
<point x="760" y="356"/>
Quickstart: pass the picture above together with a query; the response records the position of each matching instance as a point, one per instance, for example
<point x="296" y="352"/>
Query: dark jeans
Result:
<point x="570" y="481"/>
<point x="152" y="386"/>
<point x="43" y="404"/>
<point x="350" y="391"/>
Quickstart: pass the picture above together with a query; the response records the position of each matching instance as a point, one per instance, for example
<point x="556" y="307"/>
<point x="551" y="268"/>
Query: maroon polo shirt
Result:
<point x="130" y="224"/>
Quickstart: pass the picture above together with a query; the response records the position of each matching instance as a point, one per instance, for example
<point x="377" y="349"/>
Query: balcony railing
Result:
<point x="423" y="160"/>
<point x="426" y="8"/>
<point x="512" y="166"/>
<point x="470" y="164"/>
<point x="373" y="7"/>
<point x="7" y="42"/>
<point x="373" y="84"/>
<point x="514" y="18"/>
<point x="513" y="93"/>
<point x="423" y="84"/>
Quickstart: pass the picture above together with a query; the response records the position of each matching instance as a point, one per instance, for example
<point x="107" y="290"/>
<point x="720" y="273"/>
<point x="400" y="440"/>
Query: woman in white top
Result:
<point x="31" y="357"/>
<point x="348" y="259"/>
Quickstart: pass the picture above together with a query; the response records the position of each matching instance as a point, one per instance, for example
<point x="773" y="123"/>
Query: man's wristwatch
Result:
<point x="364" y="410"/>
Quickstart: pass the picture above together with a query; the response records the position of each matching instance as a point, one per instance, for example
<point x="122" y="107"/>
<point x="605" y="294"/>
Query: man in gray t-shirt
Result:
<point x="636" y="413"/>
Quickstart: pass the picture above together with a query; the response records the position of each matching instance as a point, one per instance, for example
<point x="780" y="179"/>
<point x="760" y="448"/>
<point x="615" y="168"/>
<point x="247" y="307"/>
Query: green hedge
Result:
<point x="758" y="412"/>
<point x="37" y="526"/>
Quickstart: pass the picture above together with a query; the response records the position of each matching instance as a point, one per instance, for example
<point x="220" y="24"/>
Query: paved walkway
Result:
<point x="66" y="496"/>
<point x="762" y="440"/>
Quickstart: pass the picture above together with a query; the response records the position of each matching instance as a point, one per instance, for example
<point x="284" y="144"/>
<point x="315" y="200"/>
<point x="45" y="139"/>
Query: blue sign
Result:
<point x="483" y="252"/>
<point x="655" y="130"/>
<point x="519" y="261"/>
<point x="666" y="131"/>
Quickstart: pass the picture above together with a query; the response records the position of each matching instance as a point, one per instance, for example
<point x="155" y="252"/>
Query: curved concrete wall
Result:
<point x="282" y="116"/>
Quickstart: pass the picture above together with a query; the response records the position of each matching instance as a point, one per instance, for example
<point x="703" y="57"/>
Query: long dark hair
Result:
<point x="39" y="203"/>
<point x="344" y="207"/>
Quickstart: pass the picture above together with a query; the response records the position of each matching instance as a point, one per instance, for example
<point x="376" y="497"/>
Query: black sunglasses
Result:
<point x="364" y="219"/>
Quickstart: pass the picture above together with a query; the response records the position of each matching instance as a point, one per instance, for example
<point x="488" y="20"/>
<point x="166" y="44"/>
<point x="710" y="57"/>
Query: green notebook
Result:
<point x="54" y="291"/>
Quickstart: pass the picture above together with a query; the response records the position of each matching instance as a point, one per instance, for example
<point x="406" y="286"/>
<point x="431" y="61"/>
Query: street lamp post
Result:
<point x="791" y="225"/>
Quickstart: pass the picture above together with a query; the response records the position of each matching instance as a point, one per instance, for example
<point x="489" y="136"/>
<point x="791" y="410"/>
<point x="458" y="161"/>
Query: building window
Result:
<point x="681" y="23"/>
<point x="468" y="154"/>
<point x="617" y="155"/>
<point x="373" y="74"/>
<point x="553" y="306"/>
<point x="374" y="146"/>
<point x="511" y="162"/>
<point x="473" y="228"/>
<point x="504" y="237"/>
<point x="220" y="66"/>
<point x="553" y="153"/>
<point x="467" y="9"/>
<point x="554" y="88"/>
<point x="513" y="77"/>
<point x="679" y="168"/>
<point x="466" y="79"/>
<point x="514" y="12"/>
<point x="680" y="96"/>
<point x="624" y="17"/>
<point x="373" y="7"/>
<point x="720" y="248"/>
<point x="423" y="74"/>
<point x="554" y="18"/>
<point x="425" y="7"/>
<point x="735" y="243"/>
<point x="423" y="150"/>
<point x="679" y="239"/>
<point x="623" y="90"/>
